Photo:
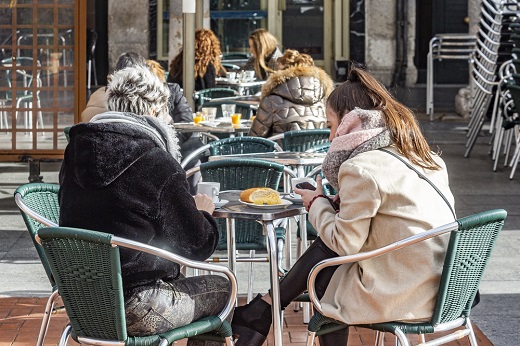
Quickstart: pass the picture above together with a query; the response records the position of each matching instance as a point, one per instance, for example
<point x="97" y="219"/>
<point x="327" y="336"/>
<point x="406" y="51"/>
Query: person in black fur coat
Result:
<point x="121" y="175"/>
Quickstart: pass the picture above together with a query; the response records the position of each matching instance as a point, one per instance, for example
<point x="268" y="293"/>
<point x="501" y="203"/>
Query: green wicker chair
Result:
<point x="38" y="204"/>
<point x="201" y="96"/>
<point x="66" y="131"/>
<point x="469" y="249"/>
<point x="87" y="269"/>
<point x="232" y="146"/>
<point x="241" y="174"/>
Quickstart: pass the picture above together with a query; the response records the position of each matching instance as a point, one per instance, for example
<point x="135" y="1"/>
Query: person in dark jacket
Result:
<point x="121" y="175"/>
<point x="207" y="61"/>
<point x="293" y="98"/>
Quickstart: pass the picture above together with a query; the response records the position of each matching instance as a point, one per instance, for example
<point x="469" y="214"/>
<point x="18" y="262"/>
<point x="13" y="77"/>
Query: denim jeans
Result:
<point x="166" y="305"/>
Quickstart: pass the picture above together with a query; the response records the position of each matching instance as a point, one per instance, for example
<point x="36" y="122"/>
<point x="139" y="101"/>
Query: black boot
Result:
<point x="337" y="338"/>
<point x="251" y="322"/>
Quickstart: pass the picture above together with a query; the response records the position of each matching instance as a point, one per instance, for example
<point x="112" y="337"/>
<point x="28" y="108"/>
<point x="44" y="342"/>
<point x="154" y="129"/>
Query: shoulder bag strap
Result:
<point x="422" y="176"/>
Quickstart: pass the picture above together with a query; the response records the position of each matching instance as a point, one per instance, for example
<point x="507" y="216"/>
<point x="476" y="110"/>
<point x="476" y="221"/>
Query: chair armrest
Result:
<point x="194" y="154"/>
<point x="276" y="137"/>
<point x="289" y="172"/>
<point x="313" y="172"/>
<point x="453" y="226"/>
<point x="186" y="262"/>
<point x="31" y="213"/>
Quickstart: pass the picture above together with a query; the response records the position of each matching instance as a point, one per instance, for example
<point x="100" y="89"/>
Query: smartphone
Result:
<point x="306" y="186"/>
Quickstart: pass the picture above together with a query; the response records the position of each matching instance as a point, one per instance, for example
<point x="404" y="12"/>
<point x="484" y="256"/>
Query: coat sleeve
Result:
<point x="96" y="104"/>
<point x="346" y="232"/>
<point x="189" y="232"/>
<point x="180" y="110"/>
<point x="209" y="77"/>
<point x="262" y="126"/>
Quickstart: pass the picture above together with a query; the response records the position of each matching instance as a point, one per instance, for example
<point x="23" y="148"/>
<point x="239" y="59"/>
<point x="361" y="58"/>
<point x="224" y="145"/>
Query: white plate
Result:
<point x="295" y="198"/>
<point x="267" y="206"/>
<point x="210" y="123"/>
<point x="224" y="120"/>
<point x="221" y="203"/>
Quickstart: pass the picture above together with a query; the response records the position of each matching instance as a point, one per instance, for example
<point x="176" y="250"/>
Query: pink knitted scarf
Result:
<point x="359" y="131"/>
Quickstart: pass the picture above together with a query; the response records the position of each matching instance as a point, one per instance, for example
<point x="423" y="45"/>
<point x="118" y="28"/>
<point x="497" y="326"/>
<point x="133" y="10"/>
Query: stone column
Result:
<point x="176" y="27"/>
<point x="380" y="39"/>
<point x="126" y="30"/>
<point x="473" y="14"/>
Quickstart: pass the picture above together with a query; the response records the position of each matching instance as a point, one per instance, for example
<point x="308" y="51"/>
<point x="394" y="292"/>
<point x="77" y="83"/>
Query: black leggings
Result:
<point x="295" y="282"/>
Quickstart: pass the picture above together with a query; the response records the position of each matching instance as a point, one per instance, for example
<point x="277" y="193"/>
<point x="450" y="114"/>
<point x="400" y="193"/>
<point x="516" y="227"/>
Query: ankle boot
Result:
<point x="337" y="338"/>
<point x="251" y="322"/>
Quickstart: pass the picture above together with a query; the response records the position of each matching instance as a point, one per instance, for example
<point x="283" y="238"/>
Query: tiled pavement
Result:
<point x="20" y="320"/>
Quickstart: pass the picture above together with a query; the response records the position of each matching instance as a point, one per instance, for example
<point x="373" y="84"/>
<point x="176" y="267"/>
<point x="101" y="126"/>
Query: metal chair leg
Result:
<point x="47" y="317"/>
<point x="65" y="335"/>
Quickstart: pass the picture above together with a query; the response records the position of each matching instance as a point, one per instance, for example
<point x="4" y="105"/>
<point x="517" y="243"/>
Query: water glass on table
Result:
<point x="227" y="110"/>
<point x="209" y="113"/>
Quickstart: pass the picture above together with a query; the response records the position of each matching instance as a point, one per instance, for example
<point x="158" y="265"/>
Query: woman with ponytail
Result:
<point x="381" y="200"/>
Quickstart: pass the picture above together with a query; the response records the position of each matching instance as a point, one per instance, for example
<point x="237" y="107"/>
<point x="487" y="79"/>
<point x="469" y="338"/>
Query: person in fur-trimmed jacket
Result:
<point x="293" y="98"/>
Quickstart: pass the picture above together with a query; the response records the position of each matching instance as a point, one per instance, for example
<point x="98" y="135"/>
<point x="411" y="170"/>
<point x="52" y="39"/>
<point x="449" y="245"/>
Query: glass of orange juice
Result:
<point x="235" y="118"/>
<point x="197" y="117"/>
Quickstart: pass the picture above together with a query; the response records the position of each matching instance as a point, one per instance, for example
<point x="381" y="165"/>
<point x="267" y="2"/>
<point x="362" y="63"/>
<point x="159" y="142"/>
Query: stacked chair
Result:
<point x="504" y="123"/>
<point x="492" y="49"/>
<point x="446" y="47"/>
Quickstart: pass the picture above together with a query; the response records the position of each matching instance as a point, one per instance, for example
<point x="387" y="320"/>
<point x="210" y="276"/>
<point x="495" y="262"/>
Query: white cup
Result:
<point x="209" y="188"/>
<point x="295" y="181"/>
<point x="231" y="76"/>
<point x="249" y="75"/>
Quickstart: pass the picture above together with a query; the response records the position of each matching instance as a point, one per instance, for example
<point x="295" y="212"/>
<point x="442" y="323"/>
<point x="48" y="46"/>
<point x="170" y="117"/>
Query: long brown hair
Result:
<point x="362" y="90"/>
<point x="263" y="44"/>
<point x="207" y="50"/>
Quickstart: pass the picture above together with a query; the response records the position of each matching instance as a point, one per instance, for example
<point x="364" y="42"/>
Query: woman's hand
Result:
<point x="308" y="195"/>
<point x="203" y="202"/>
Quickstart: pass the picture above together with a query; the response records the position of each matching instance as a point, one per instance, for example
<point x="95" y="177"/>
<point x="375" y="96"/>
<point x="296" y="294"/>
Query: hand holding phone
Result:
<point x="305" y="186"/>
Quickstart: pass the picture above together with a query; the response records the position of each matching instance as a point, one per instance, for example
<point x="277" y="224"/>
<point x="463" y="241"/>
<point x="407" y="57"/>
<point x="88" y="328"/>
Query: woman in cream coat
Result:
<point x="381" y="201"/>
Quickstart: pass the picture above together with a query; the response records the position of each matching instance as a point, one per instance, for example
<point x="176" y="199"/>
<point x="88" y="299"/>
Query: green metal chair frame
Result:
<point x="201" y="96"/>
<point x="38" y="204"/>
<point x="471" y="242"/>
<point x="302" y="140"/>
<point x="233" y="146"/>
<point x="246" y="109"/>
<point x="87" y="269"/>
<point x="241" y="174"/>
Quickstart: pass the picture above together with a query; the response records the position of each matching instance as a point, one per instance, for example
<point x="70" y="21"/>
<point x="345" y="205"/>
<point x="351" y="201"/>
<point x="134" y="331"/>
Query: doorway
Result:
<point x="437" y="17"/>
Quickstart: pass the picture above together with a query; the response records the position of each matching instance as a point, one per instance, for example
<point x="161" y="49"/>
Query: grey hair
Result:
<point x="137" y="90"/>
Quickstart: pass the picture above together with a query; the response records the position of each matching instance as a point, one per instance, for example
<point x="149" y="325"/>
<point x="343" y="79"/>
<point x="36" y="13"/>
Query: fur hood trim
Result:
<point x="282" y="76"/>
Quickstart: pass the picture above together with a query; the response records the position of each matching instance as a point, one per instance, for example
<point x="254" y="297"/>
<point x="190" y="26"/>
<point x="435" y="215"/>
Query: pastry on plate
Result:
<point x="261" y="195"/>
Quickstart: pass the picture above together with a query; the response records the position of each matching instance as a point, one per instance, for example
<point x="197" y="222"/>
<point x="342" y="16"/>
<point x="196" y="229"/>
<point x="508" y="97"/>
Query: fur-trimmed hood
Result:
<point x="306" y="80"/>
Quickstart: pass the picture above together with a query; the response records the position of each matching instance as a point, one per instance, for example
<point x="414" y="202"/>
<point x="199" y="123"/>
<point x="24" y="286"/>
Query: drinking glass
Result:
<point x="227" y="110"/>
<point x="209" y="113"/>
<point x="235" y="118"/>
